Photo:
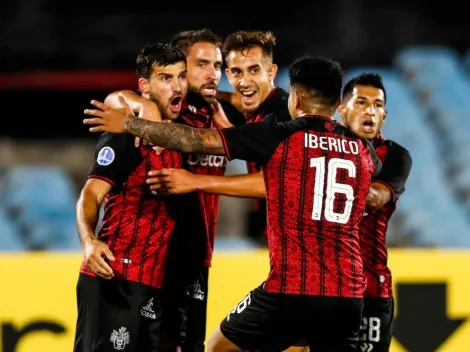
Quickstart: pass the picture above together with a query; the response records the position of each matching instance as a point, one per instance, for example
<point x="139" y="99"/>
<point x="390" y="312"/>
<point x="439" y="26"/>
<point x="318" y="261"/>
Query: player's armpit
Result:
<point x="379" y="195"/>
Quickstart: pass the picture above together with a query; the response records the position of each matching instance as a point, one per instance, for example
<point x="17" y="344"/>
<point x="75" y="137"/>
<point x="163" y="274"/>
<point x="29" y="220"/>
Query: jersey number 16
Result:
<point x="332" y="188"/>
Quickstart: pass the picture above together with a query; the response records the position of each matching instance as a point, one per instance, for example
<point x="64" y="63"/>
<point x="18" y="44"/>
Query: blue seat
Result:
<point x="427" y="199"/>
<point x="43" y="186"/>
<point x="433" y="59"/>
<point x="234" y="244"/>
<point x="282" y="78"/>
<point x="224" y="85"/>
<point x="9" y="236"/>
<point x="43" y="200"/>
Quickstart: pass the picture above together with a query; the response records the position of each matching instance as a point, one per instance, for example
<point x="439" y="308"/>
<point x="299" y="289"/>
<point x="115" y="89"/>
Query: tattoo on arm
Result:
<point x="178" y="137"/>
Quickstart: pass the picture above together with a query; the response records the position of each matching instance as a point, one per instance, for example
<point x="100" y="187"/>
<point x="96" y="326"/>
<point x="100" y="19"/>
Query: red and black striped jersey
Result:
<point x="317" y="175"/>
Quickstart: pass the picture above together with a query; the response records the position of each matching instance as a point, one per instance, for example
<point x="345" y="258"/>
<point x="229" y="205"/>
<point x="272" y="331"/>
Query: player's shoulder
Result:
<point x="232" y="113"/>
<point x="277" y="104"/>
<point x="116" y="141"/>
<point x="395" y="149"/>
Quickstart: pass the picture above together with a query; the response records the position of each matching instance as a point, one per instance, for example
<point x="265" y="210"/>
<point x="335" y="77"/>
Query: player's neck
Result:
<point x="315" y="111"/>
<point x="195" y="99"/>
<point x="251" y="114"/>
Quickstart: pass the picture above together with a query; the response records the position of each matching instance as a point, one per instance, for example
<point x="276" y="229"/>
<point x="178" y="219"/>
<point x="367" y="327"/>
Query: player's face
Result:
<point x="167" y="87"/>
<point x="364" y="112"/>
<point x="251" y="75"/>
<point x="204" y="61"/>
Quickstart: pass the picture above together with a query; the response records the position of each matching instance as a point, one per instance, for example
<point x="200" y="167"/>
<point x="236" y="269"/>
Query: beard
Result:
<point x="161" y="106"/>
<point x="198" y="91"/>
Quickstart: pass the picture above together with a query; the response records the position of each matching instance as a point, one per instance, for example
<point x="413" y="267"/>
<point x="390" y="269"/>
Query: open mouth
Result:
<point x="209" y="89"/>
<point x="368" y="126"/>
<point x="176" y="104"/>
<point x="248" y="96"/>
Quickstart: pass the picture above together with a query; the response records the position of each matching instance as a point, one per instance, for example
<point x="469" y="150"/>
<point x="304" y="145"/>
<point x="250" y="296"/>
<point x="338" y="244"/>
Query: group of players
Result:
<point x="330" y="189"/>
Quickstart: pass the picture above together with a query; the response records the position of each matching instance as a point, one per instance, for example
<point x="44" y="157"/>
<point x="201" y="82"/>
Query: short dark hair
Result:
<point x="242" y="40"/>
<point x="320" y="76"/>
<point x="364" y="79"/>
<point x="186" y="39"/>
<point x="159" y="54"/>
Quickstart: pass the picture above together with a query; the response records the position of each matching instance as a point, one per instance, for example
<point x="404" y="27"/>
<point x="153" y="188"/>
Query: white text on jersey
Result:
<point x="207" y="160"/>
<point x="331" y="143"/>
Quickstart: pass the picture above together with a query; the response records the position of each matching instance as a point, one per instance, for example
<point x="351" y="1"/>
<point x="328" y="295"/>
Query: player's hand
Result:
<point x="171" y="181"/>
<point x="95" y="252"/>
<point x="218" y="116"/>
<point x="107" y="119"/>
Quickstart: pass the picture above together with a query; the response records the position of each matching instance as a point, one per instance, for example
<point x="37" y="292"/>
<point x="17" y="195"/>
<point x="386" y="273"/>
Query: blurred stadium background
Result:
<point x="53" y="61"/>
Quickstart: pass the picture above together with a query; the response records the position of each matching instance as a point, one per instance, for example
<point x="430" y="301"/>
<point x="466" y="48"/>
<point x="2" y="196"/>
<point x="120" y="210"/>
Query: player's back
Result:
<point x="317" y="182"/>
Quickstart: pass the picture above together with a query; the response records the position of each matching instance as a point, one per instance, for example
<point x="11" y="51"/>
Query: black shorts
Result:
<point x="377" y="324"/>
<point x="184" y="302"/>
<point x="117" y="315"/>
<point x="273" y="322"/>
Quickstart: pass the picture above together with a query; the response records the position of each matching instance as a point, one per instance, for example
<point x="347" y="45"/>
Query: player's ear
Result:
<point x="144" y="85"/>
<point x="297" y="99"/>
<point x="385" y="116"/>
<point x="342" y="112"/>
<point x="272" y="72"/>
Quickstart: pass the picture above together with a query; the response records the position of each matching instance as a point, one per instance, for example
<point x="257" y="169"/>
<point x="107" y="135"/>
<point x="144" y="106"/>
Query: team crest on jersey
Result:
<point x="120" y="338"/>
<point x="105" y="156"/>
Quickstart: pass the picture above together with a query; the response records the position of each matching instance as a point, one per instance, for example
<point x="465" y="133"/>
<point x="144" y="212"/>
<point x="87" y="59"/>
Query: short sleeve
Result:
<point x="395" y="171"/>
<point x="253" y="142"/>
<point x="115" y="158"/>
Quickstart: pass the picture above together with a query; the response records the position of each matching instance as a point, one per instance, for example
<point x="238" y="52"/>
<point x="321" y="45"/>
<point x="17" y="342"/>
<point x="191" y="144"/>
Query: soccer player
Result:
<point x="118" y="287"/>
<point x="317" y="175"/>
<point x="363" y="110"/>
<point x="185" y="286"/>
<point x="251" y="72"/>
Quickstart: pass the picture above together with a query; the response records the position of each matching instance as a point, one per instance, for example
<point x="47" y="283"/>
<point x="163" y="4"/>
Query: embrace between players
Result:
<point x="330" y="189"/>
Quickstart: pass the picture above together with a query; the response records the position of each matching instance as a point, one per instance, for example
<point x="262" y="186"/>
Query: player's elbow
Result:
<point x="260" y="193"/>
<point x="373" y="206"/>
<point x="133" y="99"/>
<point x="112" y="99"/>
<point x="373" y="201"/>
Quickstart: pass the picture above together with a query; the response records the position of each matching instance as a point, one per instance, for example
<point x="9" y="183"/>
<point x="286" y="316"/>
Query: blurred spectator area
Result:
<point x="46" y="153"/>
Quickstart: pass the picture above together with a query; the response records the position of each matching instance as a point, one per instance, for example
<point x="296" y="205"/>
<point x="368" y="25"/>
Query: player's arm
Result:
<point x="114" y="158"/>
<point x="88" y="209"/>
<point x="389" y="184"/>
<point x="180" y="181"/>
<point x="133" y="99"/>
<point x="144" y="107"/>
<point x="251" y="142"/>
